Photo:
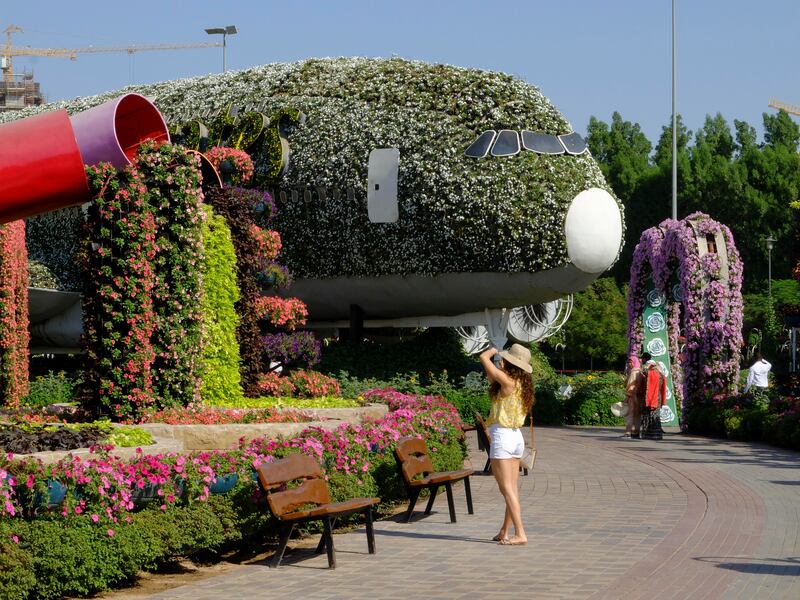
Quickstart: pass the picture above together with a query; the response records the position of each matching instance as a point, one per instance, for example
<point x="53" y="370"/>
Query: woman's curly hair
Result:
<point x="525" y="381"/>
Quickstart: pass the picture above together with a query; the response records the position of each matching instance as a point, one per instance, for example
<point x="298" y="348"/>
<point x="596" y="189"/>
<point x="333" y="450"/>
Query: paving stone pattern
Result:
<point x="606" y="518"/>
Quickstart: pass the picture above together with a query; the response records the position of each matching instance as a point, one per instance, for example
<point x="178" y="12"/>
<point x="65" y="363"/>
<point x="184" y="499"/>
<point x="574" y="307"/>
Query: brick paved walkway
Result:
<point x="606" y="518"/>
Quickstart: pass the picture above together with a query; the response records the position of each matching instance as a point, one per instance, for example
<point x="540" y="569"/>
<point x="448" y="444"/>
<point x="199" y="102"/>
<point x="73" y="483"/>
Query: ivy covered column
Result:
<point x="13" y="314"/>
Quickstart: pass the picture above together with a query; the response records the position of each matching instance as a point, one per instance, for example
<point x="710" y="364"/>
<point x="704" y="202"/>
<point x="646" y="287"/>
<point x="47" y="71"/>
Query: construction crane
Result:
<point x="789" y="108"/>
<point x="8" y="51"/>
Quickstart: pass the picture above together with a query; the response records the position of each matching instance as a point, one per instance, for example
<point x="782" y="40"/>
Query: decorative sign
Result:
<point x="655" y="322"/>
<point x="655" y="298"/>
<point x="656" y="347"/>
<point x="656" y="342"/>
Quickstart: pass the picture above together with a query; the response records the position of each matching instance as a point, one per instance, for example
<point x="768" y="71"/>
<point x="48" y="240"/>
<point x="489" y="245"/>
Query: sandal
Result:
<point x="508" y="542"/>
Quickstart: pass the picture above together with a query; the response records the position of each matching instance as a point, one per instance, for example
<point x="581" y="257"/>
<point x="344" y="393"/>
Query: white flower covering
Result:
<point x="455" y="212"/>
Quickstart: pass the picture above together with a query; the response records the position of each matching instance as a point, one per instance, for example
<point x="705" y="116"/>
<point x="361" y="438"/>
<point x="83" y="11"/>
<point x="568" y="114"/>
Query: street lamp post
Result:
<point x="225" y="32"/>
<point x="770" y="245"/>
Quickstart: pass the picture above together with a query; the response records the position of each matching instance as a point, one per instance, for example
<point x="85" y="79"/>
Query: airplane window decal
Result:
<point x="541" y="143"/>
<point x="573" y="143"/>
<point x="480" y="147"/>
<point x="507" y="143"/>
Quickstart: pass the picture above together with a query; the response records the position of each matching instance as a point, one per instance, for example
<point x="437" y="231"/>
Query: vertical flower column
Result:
<point x="172" y="178"/>
<point x="118" y="293"/>
<point x="13" y="314"/>
<point x="221" y="359"/>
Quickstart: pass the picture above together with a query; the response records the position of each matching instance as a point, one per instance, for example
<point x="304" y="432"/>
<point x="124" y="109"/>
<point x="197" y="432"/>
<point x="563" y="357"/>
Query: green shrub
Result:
<point x="468" y="403"/>
<point x="53" y="388"/>
<point x="430" y="353"/>
<point x="17" y="578"/>
<point x="591" y="400"/>
<point x="549" y="407"/>
<point x="222" y="380"/>
<point x="129" y="437"/>
<point x="542" y="369"/>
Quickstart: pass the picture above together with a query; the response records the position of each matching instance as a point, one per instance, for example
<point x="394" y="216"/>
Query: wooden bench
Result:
<point x="297" y="493"/>
<point x="484" y="443"/>
<point x="416" y="469"/>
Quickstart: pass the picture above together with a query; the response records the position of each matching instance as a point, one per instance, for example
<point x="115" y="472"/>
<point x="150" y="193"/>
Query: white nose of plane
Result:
<point x="593" y="229"/>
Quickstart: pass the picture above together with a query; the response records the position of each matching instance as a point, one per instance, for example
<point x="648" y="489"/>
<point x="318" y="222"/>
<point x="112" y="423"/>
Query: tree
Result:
<point x="597" y="329"/>
<point x="781" y="130"/>
<point x="623" y="152"/>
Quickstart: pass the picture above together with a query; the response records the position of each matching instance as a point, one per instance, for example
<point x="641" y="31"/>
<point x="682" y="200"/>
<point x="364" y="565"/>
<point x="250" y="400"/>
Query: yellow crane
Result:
<point x="8" y="50"/>
<point x="789" y="108"/>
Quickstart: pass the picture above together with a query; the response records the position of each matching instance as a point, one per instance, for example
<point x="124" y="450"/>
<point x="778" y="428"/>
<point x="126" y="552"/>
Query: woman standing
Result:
<point x="511" y="391"/>
<point x="633" y="390"/>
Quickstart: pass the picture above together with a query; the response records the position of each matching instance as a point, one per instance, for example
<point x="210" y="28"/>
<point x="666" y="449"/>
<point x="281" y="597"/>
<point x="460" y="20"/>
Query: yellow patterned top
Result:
<point x="507" y="411"/>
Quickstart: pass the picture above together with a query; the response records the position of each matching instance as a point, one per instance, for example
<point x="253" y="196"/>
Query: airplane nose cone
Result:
<point x="593" y="229"/>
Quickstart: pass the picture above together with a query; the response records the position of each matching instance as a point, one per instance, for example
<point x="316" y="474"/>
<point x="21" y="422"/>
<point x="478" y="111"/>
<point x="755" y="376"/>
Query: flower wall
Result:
<point x="705" y="308"/>
<point x="220" y="361"/>
<point x="13" y="314"/>
<point x="172" y="178"/>
<point x="257" y="250"/>
<point x="142" y="260"/>
<point x="118" y="293"/>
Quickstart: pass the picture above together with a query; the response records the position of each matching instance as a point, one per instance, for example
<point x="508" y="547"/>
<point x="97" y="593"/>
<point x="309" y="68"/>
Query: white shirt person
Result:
<point x="758" y="375"/>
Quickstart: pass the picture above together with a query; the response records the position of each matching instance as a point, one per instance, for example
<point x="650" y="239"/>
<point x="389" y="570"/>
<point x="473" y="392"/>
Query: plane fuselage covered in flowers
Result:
<point x="407" y="189"/>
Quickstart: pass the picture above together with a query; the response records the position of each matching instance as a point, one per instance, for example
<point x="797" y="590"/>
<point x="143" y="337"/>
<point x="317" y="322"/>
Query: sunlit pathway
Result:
<point x="606" y="518"/>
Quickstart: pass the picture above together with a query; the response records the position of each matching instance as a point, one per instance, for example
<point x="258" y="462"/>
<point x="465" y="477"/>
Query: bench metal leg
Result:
<point x="370" y="530"/>
<point x="286" y="533"/>
<point x="321" y="545"/>
<point x="413" y="494"/>
<point x="433" y="491"/>
<point x="488" y="466"/>
<point x="328" y="536"/>
<point x="468" y="491"/>
<point x="450" y="504"/>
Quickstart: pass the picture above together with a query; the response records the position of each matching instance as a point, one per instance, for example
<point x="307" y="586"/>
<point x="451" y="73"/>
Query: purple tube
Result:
<point x="113" y="131"/>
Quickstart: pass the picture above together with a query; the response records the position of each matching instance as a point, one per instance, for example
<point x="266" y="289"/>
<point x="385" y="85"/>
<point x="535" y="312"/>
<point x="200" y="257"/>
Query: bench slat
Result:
<point x="312" y="491"/>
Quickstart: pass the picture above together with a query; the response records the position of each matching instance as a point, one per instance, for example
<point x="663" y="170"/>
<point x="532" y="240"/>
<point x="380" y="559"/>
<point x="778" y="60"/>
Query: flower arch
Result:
<point x="690" y="273"/>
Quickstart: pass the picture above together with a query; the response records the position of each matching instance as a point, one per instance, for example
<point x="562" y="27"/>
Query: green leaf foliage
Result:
<point x="220" y="361"/>
<point x="597" y="329"/>
<point x="430" y="353"/>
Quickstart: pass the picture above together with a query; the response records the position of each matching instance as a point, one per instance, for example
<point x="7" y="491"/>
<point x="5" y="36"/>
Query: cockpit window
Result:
<point x="573" y="142"/>
<point x="541" y="143"/>
<point x="480" y="147"/>
<point x="507" y="143"/>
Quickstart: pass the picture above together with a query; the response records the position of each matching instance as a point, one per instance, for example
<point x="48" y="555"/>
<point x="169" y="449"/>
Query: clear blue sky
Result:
<point x="591" y="57"/>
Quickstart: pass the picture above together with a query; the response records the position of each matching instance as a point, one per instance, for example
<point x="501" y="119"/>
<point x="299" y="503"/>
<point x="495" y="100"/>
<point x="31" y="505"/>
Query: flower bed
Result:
<point x="758" y="416"/>
<point x="204" y="415"/>
<point x="118" y="517"/>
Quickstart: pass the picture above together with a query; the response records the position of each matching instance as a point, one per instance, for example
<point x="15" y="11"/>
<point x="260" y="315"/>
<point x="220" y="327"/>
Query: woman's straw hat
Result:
<point x="519" y="356"/>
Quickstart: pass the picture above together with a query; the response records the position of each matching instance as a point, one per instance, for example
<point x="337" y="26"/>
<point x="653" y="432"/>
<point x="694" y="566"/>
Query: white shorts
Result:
<point x="505" y="442"/>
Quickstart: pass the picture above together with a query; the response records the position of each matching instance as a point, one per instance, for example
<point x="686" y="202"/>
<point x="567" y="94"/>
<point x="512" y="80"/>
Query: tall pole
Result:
<point x="769" y="272"/>
<point x="224" y="60"/>
<point x="674" y="126"/>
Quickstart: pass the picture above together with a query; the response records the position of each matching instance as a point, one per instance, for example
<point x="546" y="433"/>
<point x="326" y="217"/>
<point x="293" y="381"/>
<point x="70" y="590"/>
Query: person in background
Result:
<point x="511" y="391"/>
<point x="633" y="389"/>
<point x="654" y="384"/>
<point x="758" y="374"/>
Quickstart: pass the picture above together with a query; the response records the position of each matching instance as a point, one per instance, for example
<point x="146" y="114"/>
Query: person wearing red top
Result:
<point x="654" y="397"/>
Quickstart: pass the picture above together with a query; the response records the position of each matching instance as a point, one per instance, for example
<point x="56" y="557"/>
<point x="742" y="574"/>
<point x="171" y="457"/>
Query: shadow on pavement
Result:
<point x="432" y="536"/>
<point x="765" y="566"/>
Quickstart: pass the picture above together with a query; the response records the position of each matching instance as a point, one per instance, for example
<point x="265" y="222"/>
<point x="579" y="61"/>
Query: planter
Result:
<point x="40" y="166"/>
<point x="142" y="497"/>
<point x="52" y="498"/>
<point x="113" y="131"/>
<point x="224" y="484"/>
